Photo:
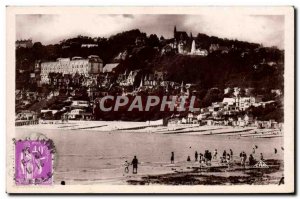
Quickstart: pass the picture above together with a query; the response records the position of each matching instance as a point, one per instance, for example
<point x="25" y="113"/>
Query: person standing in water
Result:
<point x="224" y="154"/>
<point x="209" y="156"/>
<point x="261" y="156"/>
<point x="243" y="157"/>
<point x="134" y="165"/>
<point x="196" y="156"/>
<point x="206" y="156"/>
<point x="188" y="159"/>
<point x="200" y="157"/>
<point x="215" y="154"/>
<point x="251" y="160"/>
<point x="231" y="154"/>
<point x="126" y="165"/>
<point x="172" y="158"/>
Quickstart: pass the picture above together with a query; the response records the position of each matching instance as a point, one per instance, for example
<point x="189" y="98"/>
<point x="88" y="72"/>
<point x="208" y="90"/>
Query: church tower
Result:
<point x="175" y="31"/>
<point x="193" y="49"/>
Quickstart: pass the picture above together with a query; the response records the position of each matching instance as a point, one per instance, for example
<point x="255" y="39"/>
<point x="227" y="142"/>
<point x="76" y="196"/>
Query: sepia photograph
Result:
<point x="150" y="99"/>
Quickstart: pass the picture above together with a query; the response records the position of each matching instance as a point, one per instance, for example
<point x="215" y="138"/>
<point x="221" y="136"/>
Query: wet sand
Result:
<point x="218" y="175"/>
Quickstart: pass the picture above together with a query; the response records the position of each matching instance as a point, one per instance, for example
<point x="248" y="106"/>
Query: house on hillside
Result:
<point x="278" y="92"/>
<point x="24" y="43"/>
<point x="245" y="120"/>
<point x="80" y="104"/>
<point x="26" y="115"/>
<point x="109" y="68"/>
<point x="89" y="45"/>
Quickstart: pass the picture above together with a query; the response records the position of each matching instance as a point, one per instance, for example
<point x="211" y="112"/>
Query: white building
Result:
<point x="128" y="80"/>
<point x="92" y="65"/>
<point x="108" y="68"/>
<point x="241" y="103"/>
<point x="228" y="100"/>
<point x="75" y="113"/>
<point x="89" y="45"/>
<point x="278" y="92"/>
<point x="245" y="102"/>
<point x="49" y="110"/>
<point x="26" y="115"/>
<point x="199" y="52"/>
<point x="80" y="104"/>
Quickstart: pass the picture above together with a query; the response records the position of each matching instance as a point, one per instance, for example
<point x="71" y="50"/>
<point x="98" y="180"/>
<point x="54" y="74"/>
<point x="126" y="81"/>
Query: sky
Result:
<point x="49" y="29"/>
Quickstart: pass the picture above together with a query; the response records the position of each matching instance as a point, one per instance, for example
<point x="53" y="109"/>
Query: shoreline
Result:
<point x="156" y="127"/>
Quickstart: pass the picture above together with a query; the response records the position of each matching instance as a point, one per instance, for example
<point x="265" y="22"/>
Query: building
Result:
<point x="24" y="43"/>
<point x="26" y="115"/>
<point x="140" y="41"/>
<point x="245" y="102"/>
<point x="92" y="65"/>
<point x="249" y="91"/>
<point x="217" y="47"/>
<point x="79" y="104"/>
<point x="180" y="35"/>
<point x="150" y="80"/>
<point x="109" y="68"/>
<point x="278" y="92"/>
<point x="228" y="100"/>
<point x="75" y="114"/>
<point x="227" y="90"/>
<point x="245" y="120"/>
<point x="224" y="49"/>
<point x="127" y="80"/>
<point x="267" y="103"/>
<point x="167" y="49"/>
<point x="121" y="56"/>
<point x="213" y="47"/>
<point x="199" y="52"/>
<point x="180" y="41"/>
<point x="241" y="103"/>
<point x="236" y="91"/>
<point x="89" y="45"/>
<point x="78" y="114"/>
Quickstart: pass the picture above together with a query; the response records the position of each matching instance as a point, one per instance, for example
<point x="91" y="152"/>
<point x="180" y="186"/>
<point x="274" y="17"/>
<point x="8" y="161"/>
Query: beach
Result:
<point x="156" y="127"/>
<point x="100" y="149"/>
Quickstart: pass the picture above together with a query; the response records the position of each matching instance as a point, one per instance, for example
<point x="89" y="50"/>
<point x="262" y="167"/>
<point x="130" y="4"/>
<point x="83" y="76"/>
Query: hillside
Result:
<point x="247" y="65"/>
<point x="215" y="70"/>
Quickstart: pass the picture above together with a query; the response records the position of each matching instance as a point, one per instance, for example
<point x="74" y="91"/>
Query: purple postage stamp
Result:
<point x="33" y="162"/>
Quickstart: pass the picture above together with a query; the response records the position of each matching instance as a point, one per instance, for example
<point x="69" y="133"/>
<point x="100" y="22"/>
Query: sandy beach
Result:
<point x="101" y="148"/>
<point x="155" y="127"/>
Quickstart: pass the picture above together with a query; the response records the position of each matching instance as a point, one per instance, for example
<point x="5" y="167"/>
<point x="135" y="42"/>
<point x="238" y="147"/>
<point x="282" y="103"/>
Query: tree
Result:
<point x="37" y="45"/>
<point x="48" y="115"/>
<point x="243" y="92"/>
<point x="153" y="41"/>
<point x="213" y="95"/>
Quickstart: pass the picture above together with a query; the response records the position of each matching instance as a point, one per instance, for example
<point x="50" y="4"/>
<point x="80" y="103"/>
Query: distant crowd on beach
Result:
<point x="226" y="157"/>
<point x="206" y="158"/>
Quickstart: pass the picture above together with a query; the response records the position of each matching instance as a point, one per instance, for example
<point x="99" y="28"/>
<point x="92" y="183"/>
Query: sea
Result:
<point x="97" y="157"/>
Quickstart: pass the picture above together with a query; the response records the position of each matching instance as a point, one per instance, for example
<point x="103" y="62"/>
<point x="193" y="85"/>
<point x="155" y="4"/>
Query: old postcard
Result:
<point x="150" y="100"/>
